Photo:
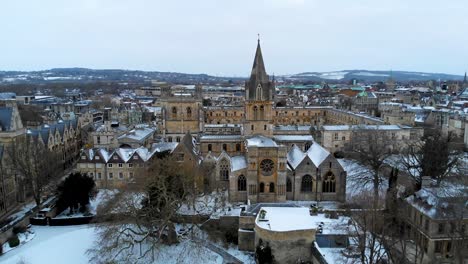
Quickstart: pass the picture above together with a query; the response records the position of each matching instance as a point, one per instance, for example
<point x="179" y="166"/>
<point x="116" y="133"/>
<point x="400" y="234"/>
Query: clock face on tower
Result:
<point x="267" y="166"/>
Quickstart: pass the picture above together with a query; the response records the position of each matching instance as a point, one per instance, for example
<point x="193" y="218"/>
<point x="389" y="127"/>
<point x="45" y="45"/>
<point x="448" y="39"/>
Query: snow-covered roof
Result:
<point x="317" y="154"/>
<point x="106" y="155"/>
<point x="293" y="138"/>
<point x="295" y="156"/>
<point x="164" y="146"/>
<point x="291" y="128"/>
<point x="138" y="134"/>
<point x="125" y="153"/>
<point x="220" y="137"/>
<point x="365" y="127"/>
<point x="261" y="142"/>
<point x="283" y="219"/>
<point x="238" y="163"/>
<point x="441" y="202"/>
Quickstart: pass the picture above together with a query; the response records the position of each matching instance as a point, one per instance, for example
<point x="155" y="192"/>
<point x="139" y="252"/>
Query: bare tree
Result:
<point x="36" y="164"/>
<point x="369" y="229"/>
<point x="432" y="156"/>
<point x="138" y="220"/>
<point x="371" y="148"/>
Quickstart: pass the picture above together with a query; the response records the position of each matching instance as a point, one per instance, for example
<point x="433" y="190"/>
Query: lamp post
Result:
<point x="317" y="179"/>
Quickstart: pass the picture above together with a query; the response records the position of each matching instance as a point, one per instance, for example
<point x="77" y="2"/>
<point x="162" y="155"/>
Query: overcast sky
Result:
<point x="219" y="36"/>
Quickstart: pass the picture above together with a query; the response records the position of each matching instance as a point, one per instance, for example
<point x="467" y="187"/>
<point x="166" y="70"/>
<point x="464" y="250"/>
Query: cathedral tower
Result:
<point x="259" y="97"/>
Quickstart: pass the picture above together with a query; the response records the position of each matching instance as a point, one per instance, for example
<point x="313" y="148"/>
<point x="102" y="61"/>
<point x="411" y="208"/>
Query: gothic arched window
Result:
<point x="262" y="187"/>
<point x="189" y="112"/>
<point x="210" y="147"/>
<point x="288" y="185"/>
<point x="259" y="92"/>
<point x="174" y="112"/>
<point x="224" y="170"/>
<point x="262" y="112"/>
<point x="272" y="187"/>
<point x="306" y="183"/>
<point x="238" y="147"/>
<point x="241" y="183"/>
<point x="306" y="146"/>
<point x="255" y="112"/>
<point x="329" y="183"/>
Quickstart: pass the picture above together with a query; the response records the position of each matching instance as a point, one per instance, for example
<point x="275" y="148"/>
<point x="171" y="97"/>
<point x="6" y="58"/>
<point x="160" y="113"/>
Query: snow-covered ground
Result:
<point x="23" y="238"/>
<point x="68" y="244"/>
<point x="215" y="204"/>
<point x="64" y="244"/>
<point x="358" y="180"/>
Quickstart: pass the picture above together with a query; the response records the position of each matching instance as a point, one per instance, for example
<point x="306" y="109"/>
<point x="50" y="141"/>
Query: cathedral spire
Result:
<point x="258" y="69"/>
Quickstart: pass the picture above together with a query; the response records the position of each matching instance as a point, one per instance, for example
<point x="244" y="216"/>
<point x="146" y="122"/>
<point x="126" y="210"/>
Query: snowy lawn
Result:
<point x="23" y="238"/>
<point x="68" y="244"/>
<point x="64" y="244"/>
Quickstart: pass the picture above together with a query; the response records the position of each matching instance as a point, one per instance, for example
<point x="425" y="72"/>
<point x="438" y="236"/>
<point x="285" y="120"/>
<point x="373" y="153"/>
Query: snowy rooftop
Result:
<point x="222" y="125"/>
<point x="295" y="156"/>
<point x="367" y="127"/>
<point x="238" y="163"/>
<point x="317" y="154"/>
<point x="138" y="134"/>
<point x="220" y="137"/>
<point x="261" y="142"/>
<point x="441" y="202"/>
<point x="284" y="219"/>
<point x="293" y="138"/>
<point x="291" y="128"/>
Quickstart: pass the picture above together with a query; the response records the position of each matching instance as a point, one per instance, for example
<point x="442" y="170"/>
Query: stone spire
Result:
<point x="258" y="69"/>
<point x="259" y="87"/>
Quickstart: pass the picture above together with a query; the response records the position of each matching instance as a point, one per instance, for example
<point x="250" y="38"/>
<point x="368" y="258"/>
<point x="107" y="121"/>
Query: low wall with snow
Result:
<point x="8" y="232"/>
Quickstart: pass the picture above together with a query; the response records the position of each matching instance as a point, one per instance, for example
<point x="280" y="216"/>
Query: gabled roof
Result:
<point x="317" y="154"/>
<point x="261" y="142"/>
<point x="189" y="142"/>
<point x="238" y="163"/>
<point x="295" y="157"/>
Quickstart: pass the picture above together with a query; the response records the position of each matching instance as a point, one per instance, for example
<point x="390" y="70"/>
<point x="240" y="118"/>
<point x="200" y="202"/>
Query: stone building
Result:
<point x="336" y="138"/>
<point x="182" y="112"/>
<point x="114" y="168"/>
<point x="11" y="129"/>
<point x="250" y="159"/>
<point x="438" y="218"/>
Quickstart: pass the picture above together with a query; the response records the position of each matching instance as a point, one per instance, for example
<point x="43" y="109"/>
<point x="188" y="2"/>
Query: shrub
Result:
<point x="19" y="229"/>
<point x="13" y="241"/>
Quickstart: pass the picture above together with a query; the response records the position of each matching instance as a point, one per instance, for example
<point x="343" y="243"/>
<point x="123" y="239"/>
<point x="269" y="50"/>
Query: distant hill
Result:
<point x="83" y="75"/>
<point x="371" y="76"/>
